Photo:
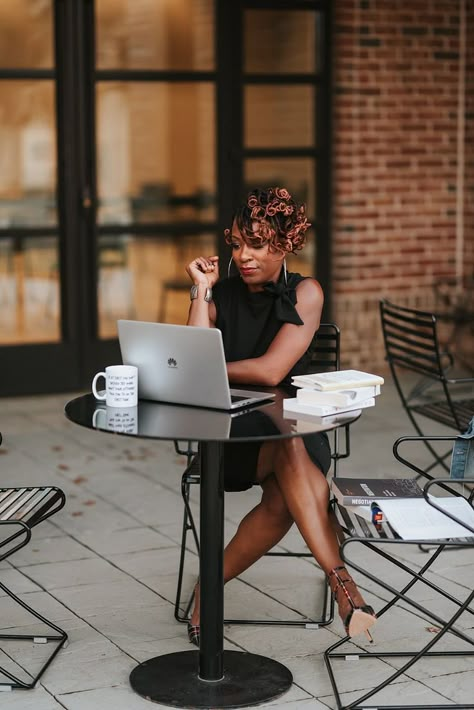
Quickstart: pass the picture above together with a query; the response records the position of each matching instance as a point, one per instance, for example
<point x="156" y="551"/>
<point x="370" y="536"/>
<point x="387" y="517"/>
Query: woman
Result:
<point x="268" y="318"/>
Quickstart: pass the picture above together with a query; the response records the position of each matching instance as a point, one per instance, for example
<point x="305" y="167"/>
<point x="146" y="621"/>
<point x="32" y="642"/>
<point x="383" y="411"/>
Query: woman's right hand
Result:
<point x="204" y="270"/>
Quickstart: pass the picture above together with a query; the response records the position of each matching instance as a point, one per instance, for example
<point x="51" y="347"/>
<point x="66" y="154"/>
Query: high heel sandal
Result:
<point x="193" y="629"/>
<point x="193" y="634"/>
<point x="356" y="615"/>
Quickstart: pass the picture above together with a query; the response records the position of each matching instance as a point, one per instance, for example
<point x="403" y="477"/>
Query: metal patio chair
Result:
<point x="21" y="509"/>
<point x="325" y="356"/>
<point x="412" y="346"/>
<point x="379" y="542"/>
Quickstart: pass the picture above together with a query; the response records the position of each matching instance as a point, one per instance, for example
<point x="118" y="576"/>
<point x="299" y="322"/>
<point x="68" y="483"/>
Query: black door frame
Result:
<point x="70" y="363"/>
<point x="54" y="366"/>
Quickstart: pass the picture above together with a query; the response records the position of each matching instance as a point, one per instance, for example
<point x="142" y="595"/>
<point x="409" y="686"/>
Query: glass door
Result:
<point x="37" y="351"/>
<point x="150" y="174"/>
<point x="129" y="131"/>
<point x="286" y="109"/>
<point x="155" y="154"/>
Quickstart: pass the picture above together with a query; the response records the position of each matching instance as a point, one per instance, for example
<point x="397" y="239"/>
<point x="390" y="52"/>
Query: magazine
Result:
<point x="415" y="519"/>
<point x="364" y="491"/>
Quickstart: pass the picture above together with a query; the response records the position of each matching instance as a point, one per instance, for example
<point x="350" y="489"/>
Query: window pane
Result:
<point x="145" y="279"/>
<point x="27" y="154"/>
<point x="156" y="154"/>
<point x="29" y="289"/>
<point x="280" y="41"/>
<point x="279" y="116"/>
<point x="26" y="34"/>
<point x="296" y="174"/>
<point x="155" y="34"/>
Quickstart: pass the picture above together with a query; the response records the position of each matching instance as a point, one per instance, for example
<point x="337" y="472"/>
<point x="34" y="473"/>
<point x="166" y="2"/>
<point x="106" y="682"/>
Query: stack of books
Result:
<point x="328" y="393"/>
<point x="401" y="503"/>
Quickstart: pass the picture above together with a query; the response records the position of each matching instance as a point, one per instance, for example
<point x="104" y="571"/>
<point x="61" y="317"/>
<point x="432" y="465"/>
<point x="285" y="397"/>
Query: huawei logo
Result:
<point x="172" y="362"/>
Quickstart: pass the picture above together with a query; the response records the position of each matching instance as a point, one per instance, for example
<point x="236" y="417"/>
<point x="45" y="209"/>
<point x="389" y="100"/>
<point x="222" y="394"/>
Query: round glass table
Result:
<point x="210" y="677"/>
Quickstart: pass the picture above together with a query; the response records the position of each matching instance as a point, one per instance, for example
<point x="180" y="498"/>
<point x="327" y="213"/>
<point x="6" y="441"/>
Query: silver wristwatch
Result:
<point x="193" y="294"/>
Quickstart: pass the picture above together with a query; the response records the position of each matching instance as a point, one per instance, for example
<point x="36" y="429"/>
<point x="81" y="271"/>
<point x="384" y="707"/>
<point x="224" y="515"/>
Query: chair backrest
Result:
<point x="326" y="356"/>
<point x="325" y="348"/>
<point x="411" y="341"/>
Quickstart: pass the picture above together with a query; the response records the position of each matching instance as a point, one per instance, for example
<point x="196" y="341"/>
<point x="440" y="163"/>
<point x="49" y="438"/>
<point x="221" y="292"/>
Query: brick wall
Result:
<point x="396" y="222"/>
<point x="469" y="143"/>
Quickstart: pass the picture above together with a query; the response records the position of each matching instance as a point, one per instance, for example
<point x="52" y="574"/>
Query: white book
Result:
<point x="291" y="404"/>
<point x="309" y="423"/>
<point x="337" y="399"/>
<point x="339" y="380"/>
<point x="416" y="519"/>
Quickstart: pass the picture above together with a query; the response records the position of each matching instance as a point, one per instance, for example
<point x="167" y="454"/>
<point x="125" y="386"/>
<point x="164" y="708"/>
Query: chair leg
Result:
<point x="188" y="525"/>
<point x="60" y="637"/>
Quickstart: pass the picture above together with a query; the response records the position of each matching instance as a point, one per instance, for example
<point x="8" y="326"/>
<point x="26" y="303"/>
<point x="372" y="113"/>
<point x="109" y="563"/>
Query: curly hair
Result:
<point x="282" y="222"/>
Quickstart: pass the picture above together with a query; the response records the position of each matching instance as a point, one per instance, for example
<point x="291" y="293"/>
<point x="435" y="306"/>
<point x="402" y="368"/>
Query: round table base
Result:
<point x="173" y="680"/>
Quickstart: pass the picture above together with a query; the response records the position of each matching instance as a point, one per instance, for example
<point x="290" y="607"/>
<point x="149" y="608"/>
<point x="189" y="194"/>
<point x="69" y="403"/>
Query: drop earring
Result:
<point x="229" y="267"/>
<point x="285" y="277"/>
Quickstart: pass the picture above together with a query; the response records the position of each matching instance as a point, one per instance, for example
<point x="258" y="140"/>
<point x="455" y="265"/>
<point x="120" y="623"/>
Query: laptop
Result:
<point x="182" y="364"/>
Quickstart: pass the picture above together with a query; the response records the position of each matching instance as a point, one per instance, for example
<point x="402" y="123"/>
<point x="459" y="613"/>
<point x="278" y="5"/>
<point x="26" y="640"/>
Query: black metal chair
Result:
<point x="380" y="543"/>
<point x="325" y="356"/>
<point x="412" y="345"/>
<point x="21" y="509"/>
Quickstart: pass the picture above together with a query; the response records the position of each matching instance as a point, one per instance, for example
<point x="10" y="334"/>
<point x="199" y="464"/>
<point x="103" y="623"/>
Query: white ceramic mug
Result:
<point x="121" y="386"/>
<point x="122" y="420"/>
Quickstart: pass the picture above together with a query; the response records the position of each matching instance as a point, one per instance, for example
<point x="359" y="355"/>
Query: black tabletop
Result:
<point x="158" y="420"/>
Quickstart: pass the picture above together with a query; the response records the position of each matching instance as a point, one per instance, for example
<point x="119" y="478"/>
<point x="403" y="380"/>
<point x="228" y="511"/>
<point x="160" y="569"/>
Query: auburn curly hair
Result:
<point x="282" y="222"/>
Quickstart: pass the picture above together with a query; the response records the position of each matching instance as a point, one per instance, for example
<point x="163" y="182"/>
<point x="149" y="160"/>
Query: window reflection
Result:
<point x="156" y="152"/>
<point x="27" y="154"/>
<point x="144" y="278"/>
<point x="155" y="34"/>
<point x="26" y="34"/>
<point x="279" y="116"/>
<point x="29" y="290"/>
<point x="280" y="41"/>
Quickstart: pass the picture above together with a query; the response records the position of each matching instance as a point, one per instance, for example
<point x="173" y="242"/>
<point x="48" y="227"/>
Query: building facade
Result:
<point x="131" y="129"/>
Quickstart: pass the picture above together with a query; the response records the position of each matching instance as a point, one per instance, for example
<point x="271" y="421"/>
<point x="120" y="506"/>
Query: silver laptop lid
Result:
<point x="176" y="363"/>
<point x="183" y="365"/>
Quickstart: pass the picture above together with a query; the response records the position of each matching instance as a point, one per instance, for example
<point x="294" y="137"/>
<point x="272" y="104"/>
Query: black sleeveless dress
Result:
<point x="249" y="321"/>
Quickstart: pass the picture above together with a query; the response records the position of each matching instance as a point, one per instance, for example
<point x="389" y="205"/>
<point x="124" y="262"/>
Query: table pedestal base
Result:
<point x="173" y="680"/>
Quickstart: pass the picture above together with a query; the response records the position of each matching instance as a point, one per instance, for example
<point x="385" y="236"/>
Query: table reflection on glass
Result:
<point x="210" y="677"/>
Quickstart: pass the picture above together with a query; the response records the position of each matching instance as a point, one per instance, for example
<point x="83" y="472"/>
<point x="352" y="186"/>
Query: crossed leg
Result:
<point x="294" y="490"/>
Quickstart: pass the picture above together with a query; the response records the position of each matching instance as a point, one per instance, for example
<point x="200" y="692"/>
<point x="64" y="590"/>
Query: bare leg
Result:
<point x="298" y="491"/>
<point x="306" y="493"/>
<point x="261" y="529"/>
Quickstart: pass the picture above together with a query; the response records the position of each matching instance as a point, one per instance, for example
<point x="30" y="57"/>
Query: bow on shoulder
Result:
<point x="285" y="300"/>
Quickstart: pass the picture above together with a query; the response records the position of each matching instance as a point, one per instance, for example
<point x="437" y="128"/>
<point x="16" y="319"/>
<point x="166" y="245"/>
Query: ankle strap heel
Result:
<point x="356" y="615"/>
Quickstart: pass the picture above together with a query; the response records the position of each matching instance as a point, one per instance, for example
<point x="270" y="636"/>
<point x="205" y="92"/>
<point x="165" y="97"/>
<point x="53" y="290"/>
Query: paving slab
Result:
<point x="105" y="569"/>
